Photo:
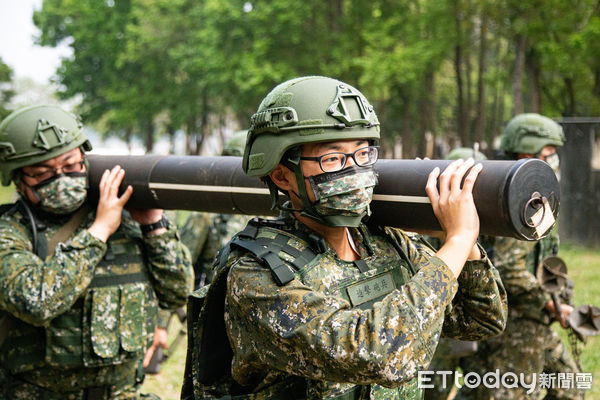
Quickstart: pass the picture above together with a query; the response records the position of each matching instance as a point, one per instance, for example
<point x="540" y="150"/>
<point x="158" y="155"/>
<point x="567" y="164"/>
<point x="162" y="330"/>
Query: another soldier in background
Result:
<point x="449" y="352"/>
<point x="204" y="234"/>
<point x="528" y="345"/>
<point x="316" y="305"/>
<point x="79" y="284"/>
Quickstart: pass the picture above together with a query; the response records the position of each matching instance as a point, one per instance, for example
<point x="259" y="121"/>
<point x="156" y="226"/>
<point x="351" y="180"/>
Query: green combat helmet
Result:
<point x="529" y="133"/>
<point x="35" y="134"/>
<point x="235" y="145"/>
<point x="464" y="153"/>
<point x="305" y="110"/>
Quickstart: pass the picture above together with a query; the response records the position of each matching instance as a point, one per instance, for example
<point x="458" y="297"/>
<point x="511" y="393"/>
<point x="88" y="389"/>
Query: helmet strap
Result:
<point x="307" y="210"/>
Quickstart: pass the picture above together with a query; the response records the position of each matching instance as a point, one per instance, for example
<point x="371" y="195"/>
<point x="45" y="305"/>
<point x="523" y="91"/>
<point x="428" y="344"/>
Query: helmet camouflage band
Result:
<point x="35" y="134"/>
<point x="464" y="153"/>
<point x="235" y="145"/>
<point x="306" y="110"/>
<point x="529" y="133"/>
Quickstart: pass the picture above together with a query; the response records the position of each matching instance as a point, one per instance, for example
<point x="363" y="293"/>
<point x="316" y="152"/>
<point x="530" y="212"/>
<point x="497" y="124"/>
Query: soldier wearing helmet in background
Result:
<point x="79" y="283"/>
<point x="318" y="305"/>
<point x="204" y="233"/>
<point x="528" y="345"/>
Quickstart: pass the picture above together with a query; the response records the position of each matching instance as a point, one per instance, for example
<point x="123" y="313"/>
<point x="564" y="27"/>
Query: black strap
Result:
<point x="361" y="265"/>
<point x="280" y="270"/>
<point x="113" y="280"/>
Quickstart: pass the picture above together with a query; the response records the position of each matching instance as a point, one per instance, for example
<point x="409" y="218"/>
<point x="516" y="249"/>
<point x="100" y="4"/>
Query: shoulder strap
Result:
<point x="8" y="208"/>
<point x="267" y="250"/>
<point x="65" y="231"/>
<point x="394" y="242"/>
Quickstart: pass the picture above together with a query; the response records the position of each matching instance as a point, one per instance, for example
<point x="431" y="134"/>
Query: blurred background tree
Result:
<point x="439" y="72"/>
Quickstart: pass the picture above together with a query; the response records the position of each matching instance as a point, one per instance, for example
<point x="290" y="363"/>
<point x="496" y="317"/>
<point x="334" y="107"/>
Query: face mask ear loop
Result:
<point x="307" y="208"/>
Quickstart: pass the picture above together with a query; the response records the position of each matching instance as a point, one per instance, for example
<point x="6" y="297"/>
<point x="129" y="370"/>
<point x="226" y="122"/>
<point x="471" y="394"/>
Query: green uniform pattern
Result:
<point x="314" y="328"/>
<point x="82" y="318"/>
<point x="528" y="345"/>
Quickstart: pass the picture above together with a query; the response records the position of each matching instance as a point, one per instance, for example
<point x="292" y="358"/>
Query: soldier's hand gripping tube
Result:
<point x="513" y="198"/>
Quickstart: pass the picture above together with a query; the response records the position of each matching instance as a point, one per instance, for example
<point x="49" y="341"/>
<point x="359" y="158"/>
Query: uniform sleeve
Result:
<point x="36" y="291"/>
<point x="293" y="327"/>
<point x="194" y="233"/>
<point x="525" y="295"/>
<point x="479" y="309"/>
<point x="170" y="268"/>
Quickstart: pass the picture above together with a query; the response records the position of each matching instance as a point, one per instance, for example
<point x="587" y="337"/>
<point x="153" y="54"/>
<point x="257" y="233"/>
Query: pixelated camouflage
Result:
<point x="62" y="195"/>
<point x="349" y="195"/>
<point x="344" y="344"/>
<point x="205" y="234"/>
<point x="95" y="304"/>
<point x="528" y="344"/>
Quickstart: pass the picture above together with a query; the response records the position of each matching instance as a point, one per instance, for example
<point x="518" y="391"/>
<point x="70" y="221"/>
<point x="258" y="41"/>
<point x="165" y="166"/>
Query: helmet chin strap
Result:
<point x="307" y="210"/>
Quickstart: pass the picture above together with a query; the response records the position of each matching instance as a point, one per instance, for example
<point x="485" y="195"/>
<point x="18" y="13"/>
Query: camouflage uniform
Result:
<point x="343" y="348"/>
<point x="528" y="344"/>
<point x="80" y="320"/>
<point x="205" y="234"/>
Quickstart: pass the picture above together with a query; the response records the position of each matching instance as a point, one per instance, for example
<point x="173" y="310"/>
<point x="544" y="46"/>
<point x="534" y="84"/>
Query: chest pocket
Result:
<point x="120" y="306"/>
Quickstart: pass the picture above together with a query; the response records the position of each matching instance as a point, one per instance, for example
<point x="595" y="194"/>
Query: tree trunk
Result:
<point x="569" y="110"/>
<point x="481" y="106"/>
<point x="428" y="118"/>
<point x="518" y="75"/>
<point x="461" y="123"/>
<point x="406" y="133"/>
<point x="149" y="136"/>
<point x="204" y="128"/>
<point x="533" y="74"/>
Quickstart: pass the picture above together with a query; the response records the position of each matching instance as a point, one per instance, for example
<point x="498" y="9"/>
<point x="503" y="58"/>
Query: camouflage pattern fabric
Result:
<point x="71" y="292"/>
<point x="349" y="195"/>
<point x="310" y="326"/>
<point x="528" y="344"/>
<point x="62" y="195"/>
<point x="205" y="234"/>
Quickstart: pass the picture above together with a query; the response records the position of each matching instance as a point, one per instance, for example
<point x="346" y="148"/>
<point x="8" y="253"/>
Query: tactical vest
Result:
<point x="208" y="364"/>
<point x="111" y="323"/>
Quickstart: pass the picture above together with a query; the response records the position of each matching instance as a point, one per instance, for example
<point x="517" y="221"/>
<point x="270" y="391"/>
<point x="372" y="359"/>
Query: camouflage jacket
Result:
<point x="517" y="262"/>
<point x="308" y="327"/>
<point x="204" y="234"/>
<point x="37" y="292"/>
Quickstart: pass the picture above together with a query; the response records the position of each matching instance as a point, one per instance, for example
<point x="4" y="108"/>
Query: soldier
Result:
<point x="528" y="345"/>
<point x="79" y="287"/>
<point x="317" y="305"/>
<point x="204" y="233"/>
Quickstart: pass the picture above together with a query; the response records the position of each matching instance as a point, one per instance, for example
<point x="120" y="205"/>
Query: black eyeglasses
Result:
<point x="49" y="172"/>
<point x="336" y="161"/>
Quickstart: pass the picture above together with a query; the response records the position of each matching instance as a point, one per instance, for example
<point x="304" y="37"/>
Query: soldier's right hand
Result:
<point x="110" y="205"/>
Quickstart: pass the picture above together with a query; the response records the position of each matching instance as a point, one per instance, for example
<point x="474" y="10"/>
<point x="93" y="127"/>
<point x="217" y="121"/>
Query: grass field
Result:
<point x="584" y="269"/>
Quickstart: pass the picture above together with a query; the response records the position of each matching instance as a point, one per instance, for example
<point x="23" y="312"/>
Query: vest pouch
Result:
<point x="63" y="338"/>
<point x="104" y="324"/>
<point x="132" y="317"/>
<point x="102" y="328"/>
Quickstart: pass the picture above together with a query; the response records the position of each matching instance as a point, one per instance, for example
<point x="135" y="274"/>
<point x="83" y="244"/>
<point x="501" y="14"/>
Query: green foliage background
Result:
<point x="453" y="68"/>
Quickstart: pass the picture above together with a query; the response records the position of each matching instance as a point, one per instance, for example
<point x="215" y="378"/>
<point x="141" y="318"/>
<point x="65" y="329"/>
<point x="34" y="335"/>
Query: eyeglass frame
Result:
<point x="55" y="170"/>
<point x="346" y="155"/>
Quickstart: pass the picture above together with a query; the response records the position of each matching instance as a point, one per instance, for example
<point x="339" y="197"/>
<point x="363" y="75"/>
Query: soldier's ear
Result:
<point x="283" y="177"/>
